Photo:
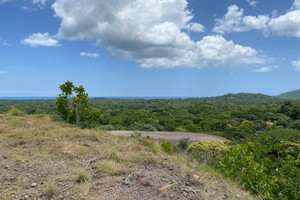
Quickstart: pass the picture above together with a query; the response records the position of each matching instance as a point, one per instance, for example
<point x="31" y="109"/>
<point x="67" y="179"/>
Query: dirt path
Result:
<point x="193" y="137"/>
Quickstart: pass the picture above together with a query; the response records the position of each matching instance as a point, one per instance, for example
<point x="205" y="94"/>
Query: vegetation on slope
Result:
<point x="244" y="98"/>
<point x="268" y="170"/>
<point x="290" y="95"/>
<point x="216" y="116"/>
<point x="45" y="158"/>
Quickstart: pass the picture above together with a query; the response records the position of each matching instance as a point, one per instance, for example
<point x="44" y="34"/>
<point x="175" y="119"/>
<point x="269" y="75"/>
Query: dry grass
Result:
<point x="50" y="189"/>
<point x="38" y="149"/>
<point x="112" y="167"/>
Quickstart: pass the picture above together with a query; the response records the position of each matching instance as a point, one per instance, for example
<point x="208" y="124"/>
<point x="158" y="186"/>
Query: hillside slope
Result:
<point x="290" y="95"/>
<point x="45" y="159"/>
<point x="244" y="98"/>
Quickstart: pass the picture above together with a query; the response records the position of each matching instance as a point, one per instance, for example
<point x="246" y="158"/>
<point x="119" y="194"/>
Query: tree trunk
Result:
<point x="76" y="112"/>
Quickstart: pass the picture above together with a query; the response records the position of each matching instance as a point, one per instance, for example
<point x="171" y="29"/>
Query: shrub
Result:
<point x="15" y="112"/>
<point x="283" y="135"/>
<point x="207" y="152"/>
<point x="265" y="167"/>
<point x="168" y="147"/>
<point x="136" y="135"/>
<point x="183" y="143"/>
<point x="213" y="147"/>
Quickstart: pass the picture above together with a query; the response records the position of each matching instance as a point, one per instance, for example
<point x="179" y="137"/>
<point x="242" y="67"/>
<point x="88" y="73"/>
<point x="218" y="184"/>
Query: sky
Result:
<point x="153" y="48"/>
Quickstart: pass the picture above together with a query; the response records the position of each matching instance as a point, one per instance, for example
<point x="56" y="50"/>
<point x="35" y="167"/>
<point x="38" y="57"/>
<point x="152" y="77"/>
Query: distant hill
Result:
<point x="290" y="95"/>
<point x="245" y="98"/>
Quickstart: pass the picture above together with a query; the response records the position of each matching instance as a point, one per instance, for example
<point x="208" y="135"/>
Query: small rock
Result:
<point x="33" y="185"/>
<point x="238" y="197"/>
<point x="196" y="176"/>
<point x="5" y="157"/>
<point x="146" y="183"/>
<point x="164" y="157"/>
<point x="224" y="195"/>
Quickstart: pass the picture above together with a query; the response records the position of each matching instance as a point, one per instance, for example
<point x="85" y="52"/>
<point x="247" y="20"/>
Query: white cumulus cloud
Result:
<point x="296" y="5"/>
<point x="211" y="51"/>
<point x="288" y="24"/>
<point x="93" y="55"/>
<point x="41" y="39"/>
<point x="296" y="65"/>
<point x="195" y="27"/>
<point x="266" y="69"/>
<point x="235" y="21"/>
<point x="153" y="33"/>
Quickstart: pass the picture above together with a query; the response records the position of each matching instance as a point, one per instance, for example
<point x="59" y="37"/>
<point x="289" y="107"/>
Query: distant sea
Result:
<point x="26" y="98"/>
<point x="45" y="98"/>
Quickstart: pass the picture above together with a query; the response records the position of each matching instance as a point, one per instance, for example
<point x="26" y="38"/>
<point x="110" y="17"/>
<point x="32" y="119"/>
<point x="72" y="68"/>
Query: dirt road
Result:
<point x="193" y="137"/>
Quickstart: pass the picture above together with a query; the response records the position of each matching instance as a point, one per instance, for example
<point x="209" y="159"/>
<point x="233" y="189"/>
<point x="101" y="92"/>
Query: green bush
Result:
<point x="183" y="143"/>
<point x="283" y="135"/>
<point x="213" y="147"/>
<point x="136" y="135"/>
<point x="207" y="152"/>
<point x="168" y="147"/>
<point x="15" y="112"/>
<point x="265" y="167"/>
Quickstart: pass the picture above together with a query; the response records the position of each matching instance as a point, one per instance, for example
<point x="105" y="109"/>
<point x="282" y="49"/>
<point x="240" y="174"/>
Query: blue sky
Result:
<point x="158" y="48"/>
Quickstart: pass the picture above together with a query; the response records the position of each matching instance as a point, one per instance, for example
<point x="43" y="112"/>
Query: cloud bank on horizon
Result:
<point x="159" y="33"/>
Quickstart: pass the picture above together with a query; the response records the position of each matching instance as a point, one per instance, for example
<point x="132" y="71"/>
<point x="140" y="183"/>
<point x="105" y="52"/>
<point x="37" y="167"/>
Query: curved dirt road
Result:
<point x="174" y="136"/>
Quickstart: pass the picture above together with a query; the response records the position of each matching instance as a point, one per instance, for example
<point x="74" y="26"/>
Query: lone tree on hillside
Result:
<point x="73" y="106"/>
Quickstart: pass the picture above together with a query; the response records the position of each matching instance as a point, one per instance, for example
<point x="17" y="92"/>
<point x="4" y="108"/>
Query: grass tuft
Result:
<point x="50" y="189"/>
<point x="81" y="177"/>
<point x="112" y="167"/>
